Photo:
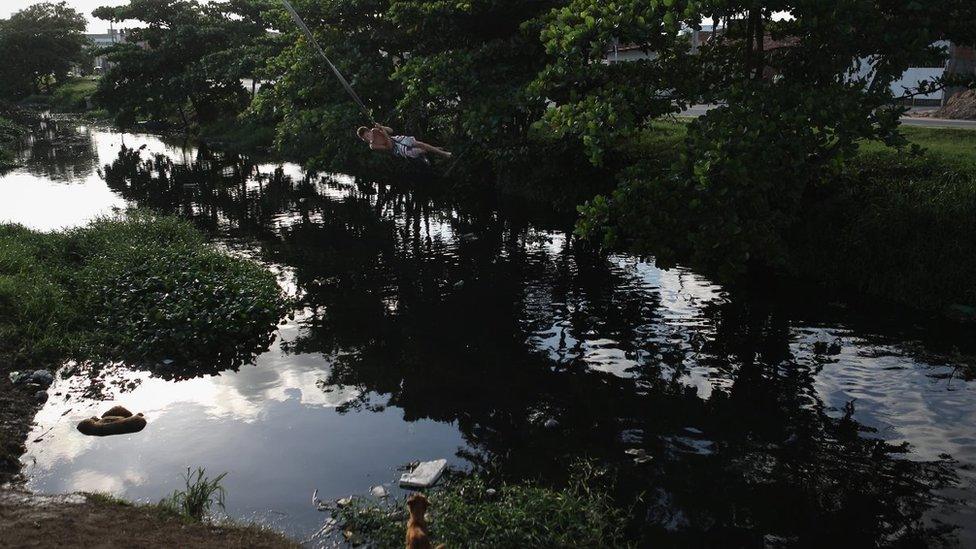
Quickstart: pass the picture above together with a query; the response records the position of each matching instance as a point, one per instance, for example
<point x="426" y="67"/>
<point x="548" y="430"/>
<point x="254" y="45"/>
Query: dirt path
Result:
<point x="77" y="520"/>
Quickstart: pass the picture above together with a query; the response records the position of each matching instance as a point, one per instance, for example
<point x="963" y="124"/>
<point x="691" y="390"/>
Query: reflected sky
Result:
<point x="270" y="425"/>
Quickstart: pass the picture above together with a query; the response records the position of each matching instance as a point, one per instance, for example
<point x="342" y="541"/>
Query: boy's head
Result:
<point x="361" y="132"/>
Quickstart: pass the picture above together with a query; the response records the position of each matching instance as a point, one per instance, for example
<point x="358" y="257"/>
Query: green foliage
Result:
<point x="187" y="61"/>
<point x="892" y="224"/>
<point x="797" y="96"/>
<point x="316" y="119"/>
<point x="470" y="512"/>
<point x="603" y="103"/>
<point x="201" y="494"/>
<point x="901" y="227"/>
<point x="140" y="289"/>
<point x="74" y="95"/>
<point x="451" y="72"/>
<point x="38" y="45"/>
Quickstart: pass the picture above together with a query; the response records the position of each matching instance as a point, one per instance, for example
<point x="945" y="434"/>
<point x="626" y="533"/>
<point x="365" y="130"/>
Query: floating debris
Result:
<point x="424" y="475"/>
<point x="379" y="492"/>
<point x="116" y="421"/>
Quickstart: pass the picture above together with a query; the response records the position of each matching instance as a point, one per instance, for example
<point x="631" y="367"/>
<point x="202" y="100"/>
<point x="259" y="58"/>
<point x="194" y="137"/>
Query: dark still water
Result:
<point x="428" y="329"/>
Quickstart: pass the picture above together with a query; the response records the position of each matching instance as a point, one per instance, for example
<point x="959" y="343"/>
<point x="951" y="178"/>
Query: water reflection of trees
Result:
<point x="448" y="327"/>
<point x="59" y="151"/>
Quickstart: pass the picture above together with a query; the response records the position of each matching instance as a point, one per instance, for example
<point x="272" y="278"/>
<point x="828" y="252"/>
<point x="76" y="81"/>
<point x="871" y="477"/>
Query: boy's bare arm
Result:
<point x="388" y="130"/>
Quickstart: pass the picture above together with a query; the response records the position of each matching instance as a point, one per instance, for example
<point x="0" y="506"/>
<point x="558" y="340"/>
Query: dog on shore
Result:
<point x="417" y="535"/>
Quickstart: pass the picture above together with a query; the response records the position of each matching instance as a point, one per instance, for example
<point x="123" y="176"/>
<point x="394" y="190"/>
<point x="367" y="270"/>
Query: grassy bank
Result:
<point x="74" y="95"/>
<point x="892" y="224"/>
<point x="142" y="289"/>
<point x="469" y="512"/>
<point x="95" y="520"/>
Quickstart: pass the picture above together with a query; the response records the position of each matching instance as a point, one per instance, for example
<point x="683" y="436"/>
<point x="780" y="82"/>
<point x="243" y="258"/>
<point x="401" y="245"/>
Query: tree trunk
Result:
<point x="760" y="39"/>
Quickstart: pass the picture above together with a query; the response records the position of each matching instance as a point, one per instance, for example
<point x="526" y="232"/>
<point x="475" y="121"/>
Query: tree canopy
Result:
<point x="39" y="45"/>
<point x="187" y="60"/>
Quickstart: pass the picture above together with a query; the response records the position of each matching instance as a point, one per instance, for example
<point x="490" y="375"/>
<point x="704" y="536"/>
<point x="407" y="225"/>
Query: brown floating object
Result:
<point x="117" y="411"/>
<point x="116" y="421"/>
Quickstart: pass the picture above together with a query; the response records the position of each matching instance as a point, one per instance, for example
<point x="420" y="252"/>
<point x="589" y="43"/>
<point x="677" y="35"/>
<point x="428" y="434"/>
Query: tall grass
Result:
<point x="200" y="495"/>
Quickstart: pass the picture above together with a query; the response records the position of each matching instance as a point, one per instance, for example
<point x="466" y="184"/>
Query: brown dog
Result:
<point x="417" y="535"/>
<point x="116" y="421"/>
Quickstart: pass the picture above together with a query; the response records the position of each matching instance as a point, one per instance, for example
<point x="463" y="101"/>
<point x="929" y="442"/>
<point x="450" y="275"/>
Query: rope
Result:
<point x="342" y="79"/>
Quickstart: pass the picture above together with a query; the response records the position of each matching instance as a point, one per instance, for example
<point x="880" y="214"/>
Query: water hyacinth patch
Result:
<point x="140" y="288"/>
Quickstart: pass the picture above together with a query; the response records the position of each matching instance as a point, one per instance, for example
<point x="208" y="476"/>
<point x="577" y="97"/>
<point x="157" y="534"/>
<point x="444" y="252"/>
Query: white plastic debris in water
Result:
<point x="424" y="475"/>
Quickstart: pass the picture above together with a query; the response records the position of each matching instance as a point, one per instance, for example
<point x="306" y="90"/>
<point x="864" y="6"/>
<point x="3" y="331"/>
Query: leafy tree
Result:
<point x="186" y="62"/>
<point x="39" y="45"/>
<point x="801" y="83"/>
<point x="455" y="72"/>
<point x="316" y="118"/>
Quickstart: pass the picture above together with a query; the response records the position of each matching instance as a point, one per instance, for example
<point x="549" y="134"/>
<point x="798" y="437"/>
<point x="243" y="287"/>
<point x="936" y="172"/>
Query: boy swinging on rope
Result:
<point x="380" y="139"/>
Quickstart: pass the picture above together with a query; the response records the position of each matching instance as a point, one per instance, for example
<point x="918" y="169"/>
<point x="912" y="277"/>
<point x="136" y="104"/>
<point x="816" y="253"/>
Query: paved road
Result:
<point x="698" y="110"/>
<point x="939" y="123"/>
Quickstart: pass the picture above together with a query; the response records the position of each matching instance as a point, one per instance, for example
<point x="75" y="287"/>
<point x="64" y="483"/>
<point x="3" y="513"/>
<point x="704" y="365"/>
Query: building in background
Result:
<point x="101" y="62"/>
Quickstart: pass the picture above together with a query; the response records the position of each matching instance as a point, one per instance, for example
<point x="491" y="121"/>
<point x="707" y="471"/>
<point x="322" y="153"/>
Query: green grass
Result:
<point x="898" y="227"/>
<point x="955" y="147"/>
<point x="139" y="288"/>
<point x="73" y="95"/>
<point x="200" y="496"/>
<point x="469" y="512"/>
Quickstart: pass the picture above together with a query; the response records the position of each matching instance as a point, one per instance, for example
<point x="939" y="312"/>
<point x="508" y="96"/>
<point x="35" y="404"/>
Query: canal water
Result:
<point x="485" y="335"/>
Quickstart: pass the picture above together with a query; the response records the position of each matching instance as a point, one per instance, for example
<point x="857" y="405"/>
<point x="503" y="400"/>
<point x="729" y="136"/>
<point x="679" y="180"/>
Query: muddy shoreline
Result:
<point x="18" y="405"/>
<point x="83" y="520"/>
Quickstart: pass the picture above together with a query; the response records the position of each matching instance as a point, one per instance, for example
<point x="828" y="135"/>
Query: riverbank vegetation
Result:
<point x="139" y="288"/>
<point x="894" y="223"/>
<point x="470" y="512"/>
